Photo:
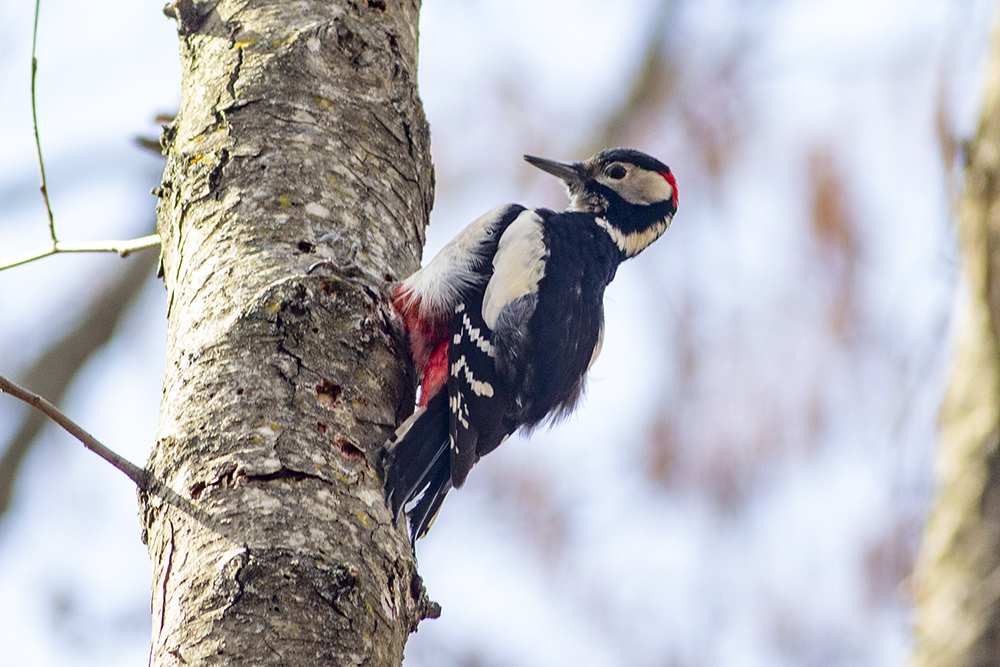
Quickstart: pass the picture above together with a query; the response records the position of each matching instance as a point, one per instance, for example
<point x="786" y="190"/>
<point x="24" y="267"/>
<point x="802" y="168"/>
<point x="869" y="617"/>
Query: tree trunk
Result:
<point x="300" y="137"/>
<point x="958" y="572"/>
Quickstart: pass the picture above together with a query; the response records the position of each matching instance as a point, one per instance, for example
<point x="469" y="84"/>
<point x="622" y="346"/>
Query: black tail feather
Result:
<point x="414" y="460"/>
<point x="423" y="513"/>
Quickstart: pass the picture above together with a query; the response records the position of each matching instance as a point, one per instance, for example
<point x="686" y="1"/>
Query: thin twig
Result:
<point x="134" y="472"/>
<point x="146" y="481"/>
<point x="34" y="119"/>
<point x="123" y="248"/>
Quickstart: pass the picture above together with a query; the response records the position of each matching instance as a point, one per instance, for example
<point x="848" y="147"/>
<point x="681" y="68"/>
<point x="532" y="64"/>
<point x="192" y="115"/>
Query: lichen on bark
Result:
<point x="300" y="137"/>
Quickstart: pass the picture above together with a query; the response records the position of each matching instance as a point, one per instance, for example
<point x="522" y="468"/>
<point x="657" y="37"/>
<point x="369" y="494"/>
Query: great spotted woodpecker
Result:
<point x="506" y="320"/>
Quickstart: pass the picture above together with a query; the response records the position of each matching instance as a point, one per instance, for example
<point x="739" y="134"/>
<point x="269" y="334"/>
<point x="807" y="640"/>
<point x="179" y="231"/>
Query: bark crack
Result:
<point x="244" y="559"/>
<point x="298" y="360"/>
<point x="235" y="74"/>
<point x="263" y="638"/>
<point x="285" y="473"/>
<point x="294" y="121"/>
<point x="216" y="174"/>
<point x="166" y="576"/>
<point x="409" y="139"/>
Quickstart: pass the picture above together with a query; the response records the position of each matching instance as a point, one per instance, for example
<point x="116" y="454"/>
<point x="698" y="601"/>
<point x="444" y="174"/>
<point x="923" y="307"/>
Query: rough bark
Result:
<point x="958" y="572"/>
<point x="300" y="137"/>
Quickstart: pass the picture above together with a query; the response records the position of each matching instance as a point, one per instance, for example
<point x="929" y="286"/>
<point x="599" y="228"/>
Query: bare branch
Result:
<point x="123" y="248"/>
<point x="34" y="119"/>
<point x="134" y="472"/>
<point x="143" y="479"/>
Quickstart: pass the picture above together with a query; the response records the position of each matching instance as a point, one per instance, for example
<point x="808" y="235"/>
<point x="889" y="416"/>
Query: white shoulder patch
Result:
<point x="436" y="286"/>
<point x="518" y="265"/>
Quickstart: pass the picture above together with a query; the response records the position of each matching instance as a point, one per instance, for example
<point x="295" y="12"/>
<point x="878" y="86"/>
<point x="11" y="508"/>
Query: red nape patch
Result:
<point x="435" y="374"/>
<point x="673" y="184"/>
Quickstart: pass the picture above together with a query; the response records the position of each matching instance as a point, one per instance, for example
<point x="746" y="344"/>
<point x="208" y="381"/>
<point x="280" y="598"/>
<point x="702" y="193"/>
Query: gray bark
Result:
<point x="958" y="572"/>
<point x="300" y="137"/>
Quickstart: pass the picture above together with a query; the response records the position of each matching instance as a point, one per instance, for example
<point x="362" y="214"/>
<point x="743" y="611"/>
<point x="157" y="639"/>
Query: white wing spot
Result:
<point x="460" y="409"/>
<point x="476" y="336"/>
<point x="479" y="388"/>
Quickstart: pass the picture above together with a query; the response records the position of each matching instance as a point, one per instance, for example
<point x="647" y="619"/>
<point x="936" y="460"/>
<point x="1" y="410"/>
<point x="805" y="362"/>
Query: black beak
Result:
<point x="571" y="172"/>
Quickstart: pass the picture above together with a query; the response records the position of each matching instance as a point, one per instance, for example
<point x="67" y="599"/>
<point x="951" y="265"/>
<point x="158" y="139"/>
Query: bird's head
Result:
<point x="633" y="195"/>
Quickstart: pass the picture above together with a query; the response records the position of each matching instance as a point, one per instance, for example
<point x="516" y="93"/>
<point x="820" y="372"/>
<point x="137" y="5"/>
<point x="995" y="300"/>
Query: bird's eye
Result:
<point x="616" y="171"/>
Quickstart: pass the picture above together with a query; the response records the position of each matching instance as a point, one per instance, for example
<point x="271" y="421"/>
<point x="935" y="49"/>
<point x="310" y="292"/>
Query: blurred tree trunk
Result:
<point x="958" y="572"/>
<point x="300" y="137"/>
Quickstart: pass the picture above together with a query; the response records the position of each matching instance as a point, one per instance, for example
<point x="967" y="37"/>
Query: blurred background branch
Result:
<point x="54" y="370"/>
<point x="654" y="80"/>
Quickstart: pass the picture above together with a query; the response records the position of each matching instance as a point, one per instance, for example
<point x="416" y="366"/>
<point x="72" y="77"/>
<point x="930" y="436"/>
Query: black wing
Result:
<point x="478" y="399"/>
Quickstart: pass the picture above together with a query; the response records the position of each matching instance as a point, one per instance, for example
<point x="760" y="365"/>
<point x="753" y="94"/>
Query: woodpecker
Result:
<point x="506" y="320"/>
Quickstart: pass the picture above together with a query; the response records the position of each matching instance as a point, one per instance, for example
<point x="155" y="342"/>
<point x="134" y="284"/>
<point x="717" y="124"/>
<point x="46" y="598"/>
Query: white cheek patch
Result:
<point x="641" y="187"/>
<point x="518" y="265"/>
